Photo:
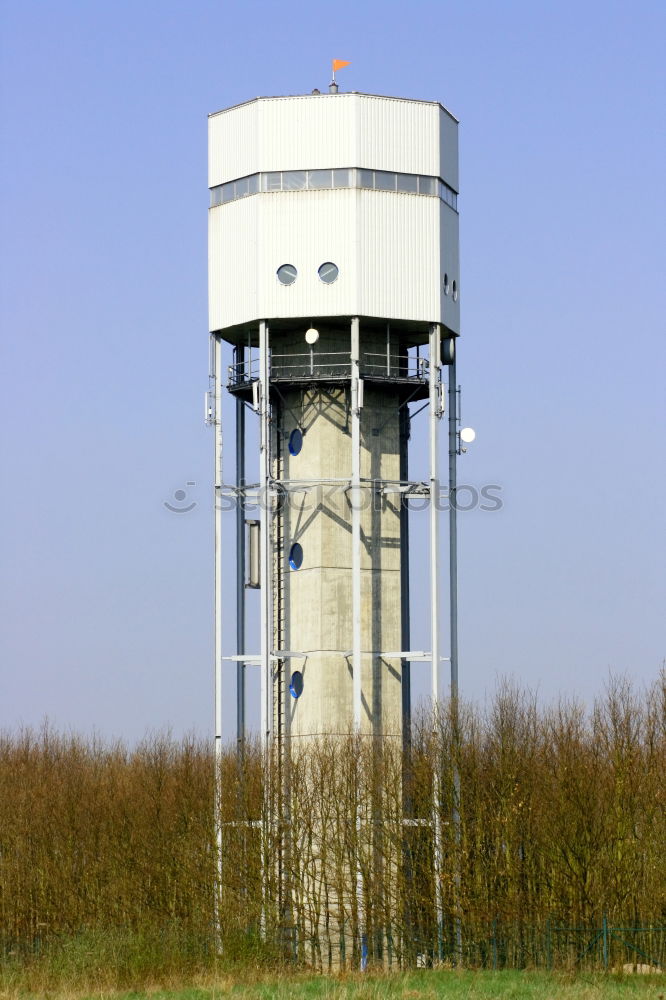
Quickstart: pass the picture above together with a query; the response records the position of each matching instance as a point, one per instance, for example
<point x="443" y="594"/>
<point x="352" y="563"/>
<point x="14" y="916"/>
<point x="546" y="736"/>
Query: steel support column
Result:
<point x="434" y="381"/>
<point x="355" y="499"/>
<point x="217" y="615"/>
<point x="453" y="529"/>
<point x="266" y="607"/>
<point x="240" y="566"/>
<point x="266" y="561"/>
<point x="453" y="618"/>
<point x="404" y="424"/>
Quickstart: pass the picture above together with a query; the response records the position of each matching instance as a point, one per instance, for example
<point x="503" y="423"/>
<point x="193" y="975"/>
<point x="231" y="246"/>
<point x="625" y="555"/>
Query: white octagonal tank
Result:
<point x="332" y="205"/>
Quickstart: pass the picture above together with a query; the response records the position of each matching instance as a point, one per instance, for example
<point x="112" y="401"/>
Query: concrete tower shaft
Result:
<point x="317" y="599"/>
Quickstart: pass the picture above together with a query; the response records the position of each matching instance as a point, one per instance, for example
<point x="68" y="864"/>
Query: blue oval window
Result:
<point x="296" y="556"/>
<point x="296" y="685"/>
<point x="295" y="442"/>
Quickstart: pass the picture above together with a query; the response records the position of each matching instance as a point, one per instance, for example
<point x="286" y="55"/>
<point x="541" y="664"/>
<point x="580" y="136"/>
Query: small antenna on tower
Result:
<point x="336" y="64"/>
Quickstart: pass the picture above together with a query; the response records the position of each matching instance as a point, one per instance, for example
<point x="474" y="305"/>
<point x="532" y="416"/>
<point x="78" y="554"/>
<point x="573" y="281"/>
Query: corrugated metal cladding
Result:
<point x="268" y="230"/>
<point x="308" y="233"/>
<point x="398" y="135"/>
<point x="448" y="149"/>
<point x="331" y="130"/>
<point x="233" y="274"/>
<point x="233" y="139"/>
<point x="450" y="267"/>
<point x="399" y="272"/>
<point x="386" y="245"/>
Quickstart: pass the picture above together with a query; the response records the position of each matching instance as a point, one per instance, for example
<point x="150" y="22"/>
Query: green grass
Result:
<point x="429" y="985"/>
<point x="174" y="965"/>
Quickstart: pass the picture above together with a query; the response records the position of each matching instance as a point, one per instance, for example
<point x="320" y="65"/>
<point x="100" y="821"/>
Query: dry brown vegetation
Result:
<point x="107" y="853"/>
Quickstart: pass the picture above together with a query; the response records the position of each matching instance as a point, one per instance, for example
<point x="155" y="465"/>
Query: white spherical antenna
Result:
<point x="467" y="435"/>
<point x="311" y="335"/>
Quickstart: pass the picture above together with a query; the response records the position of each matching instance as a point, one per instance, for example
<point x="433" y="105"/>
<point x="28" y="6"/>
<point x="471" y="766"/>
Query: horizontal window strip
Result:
<point x="319" y="180"/>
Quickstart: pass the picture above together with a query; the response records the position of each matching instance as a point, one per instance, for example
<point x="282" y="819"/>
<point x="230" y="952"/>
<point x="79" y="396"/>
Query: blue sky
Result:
<point x="107" y="597"/>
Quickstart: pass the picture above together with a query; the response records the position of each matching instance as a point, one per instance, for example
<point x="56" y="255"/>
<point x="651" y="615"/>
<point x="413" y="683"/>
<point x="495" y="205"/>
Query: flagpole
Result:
<point x="335" y="65"/>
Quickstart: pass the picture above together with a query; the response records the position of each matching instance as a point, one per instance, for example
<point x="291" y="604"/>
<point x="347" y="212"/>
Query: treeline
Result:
<point x="346" y="844"/>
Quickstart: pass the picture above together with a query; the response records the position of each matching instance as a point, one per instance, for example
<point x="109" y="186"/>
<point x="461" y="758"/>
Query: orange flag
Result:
<point x="339" y="64"/>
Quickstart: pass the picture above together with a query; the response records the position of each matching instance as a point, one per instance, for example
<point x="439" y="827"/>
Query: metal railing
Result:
<point x="244" y="371"/>
<point x="310" y="364"/>
<point x="331" y="364"/>
<point x="382" y="364"/>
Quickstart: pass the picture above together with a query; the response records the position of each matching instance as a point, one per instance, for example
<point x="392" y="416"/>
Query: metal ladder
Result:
<point x="281" y="689"/>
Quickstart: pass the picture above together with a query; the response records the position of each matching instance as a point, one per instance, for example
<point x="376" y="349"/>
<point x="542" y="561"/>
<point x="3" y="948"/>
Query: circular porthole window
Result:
<point x="296" y="556"/>
<point x="296" y="685"/>
<point x="446" y="284"/>
<point x="295" y="441"/>
<point x="286" y="274"/>
<point x="328" y="272"/>
<point x="454" y="291"/>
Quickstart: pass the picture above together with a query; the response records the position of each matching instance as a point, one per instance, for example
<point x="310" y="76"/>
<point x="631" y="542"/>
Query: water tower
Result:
<point x="334" y="276"/>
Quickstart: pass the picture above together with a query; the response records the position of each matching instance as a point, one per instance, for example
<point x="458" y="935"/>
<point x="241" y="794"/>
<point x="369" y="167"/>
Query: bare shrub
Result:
<point x="108" y="858"/>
